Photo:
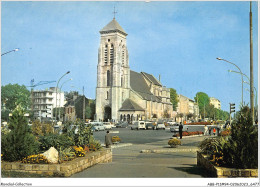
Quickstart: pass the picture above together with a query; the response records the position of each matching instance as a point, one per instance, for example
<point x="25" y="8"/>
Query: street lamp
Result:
<point x="239" y="71"/>
<point x="14" y="50"/>
<point x="57" y="94"/>
<point x="60" y="93"/>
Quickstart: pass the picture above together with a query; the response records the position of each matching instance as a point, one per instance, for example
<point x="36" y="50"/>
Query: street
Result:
<point x="129" y="162"/>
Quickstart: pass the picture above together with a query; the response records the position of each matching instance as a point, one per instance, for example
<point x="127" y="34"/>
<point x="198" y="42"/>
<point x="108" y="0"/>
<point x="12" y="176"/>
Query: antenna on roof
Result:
<point x="114" y="12"/>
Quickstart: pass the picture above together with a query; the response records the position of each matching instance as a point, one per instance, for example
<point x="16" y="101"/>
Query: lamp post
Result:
<point x="14" y="50"/>
<point x="240" y="73"/>
<point x="57" y="93"/>
<point x="60" y="93"/>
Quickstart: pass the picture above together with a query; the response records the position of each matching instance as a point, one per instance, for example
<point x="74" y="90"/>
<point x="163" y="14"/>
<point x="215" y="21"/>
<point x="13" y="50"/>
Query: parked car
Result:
<point x="107" y="125"/>
<point x="149" y="125"/>
<point x="122" y="124"/>
<point x="160" y="126"/>
<point x="175" y="128"/>
<point x="170" y="123"/>
<point x="97" y="126"/>
<point x="138" y="125"/>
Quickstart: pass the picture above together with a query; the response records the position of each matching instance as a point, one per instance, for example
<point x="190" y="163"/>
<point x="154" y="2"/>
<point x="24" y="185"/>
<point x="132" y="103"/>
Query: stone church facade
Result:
<point x="123" y="94"/>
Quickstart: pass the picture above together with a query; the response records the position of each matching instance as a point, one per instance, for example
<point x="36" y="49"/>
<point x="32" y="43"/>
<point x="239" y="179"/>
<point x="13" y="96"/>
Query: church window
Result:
<point x="108" y="78"/>
<point x="105" y="56"/>
<point x="108" y="40"/>
<point x="107" y="94"/>
<point x="111" y="54"/>
<point x="122" y="96"/>
<point x="121" y="81"/>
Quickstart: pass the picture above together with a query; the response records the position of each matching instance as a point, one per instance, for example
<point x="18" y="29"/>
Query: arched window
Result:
<point x="107" y="94"/>
<point x="122" y="96"/>
<point x="122" y="81"/>
<point x="112" y="54"/>
<point x="105" y="55"/>
<point x="108" y="78"/>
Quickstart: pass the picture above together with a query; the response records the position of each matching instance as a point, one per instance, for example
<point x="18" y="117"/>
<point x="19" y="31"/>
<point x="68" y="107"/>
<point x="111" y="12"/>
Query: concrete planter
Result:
<point x="65" y="169"/>
<point x="222" y="172"/>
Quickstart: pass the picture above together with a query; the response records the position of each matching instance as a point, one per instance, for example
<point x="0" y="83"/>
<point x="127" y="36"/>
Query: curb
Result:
<point x="168" y="151"/>
<point x="121" y="145"/>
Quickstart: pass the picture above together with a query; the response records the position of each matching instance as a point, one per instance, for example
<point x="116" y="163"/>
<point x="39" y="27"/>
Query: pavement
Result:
<point x="130" y="162"/>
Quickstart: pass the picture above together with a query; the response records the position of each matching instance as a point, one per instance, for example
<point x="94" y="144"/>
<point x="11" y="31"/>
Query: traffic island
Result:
<point x="222" y="172"/>
<point x="65" y="169"/>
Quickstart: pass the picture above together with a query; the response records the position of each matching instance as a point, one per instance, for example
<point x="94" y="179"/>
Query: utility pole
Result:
<point x="84" y="106"/>
<point x="251" y="66"/>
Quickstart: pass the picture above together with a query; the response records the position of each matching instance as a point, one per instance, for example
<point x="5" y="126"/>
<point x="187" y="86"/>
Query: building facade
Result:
<point x="43" y="102"/>
<point x="122" y="94"/>
<point x="215" y="102"/>
<point x="186" y="107"/>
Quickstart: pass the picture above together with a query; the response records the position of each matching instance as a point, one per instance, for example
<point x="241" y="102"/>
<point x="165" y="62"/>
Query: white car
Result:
<point x="97" y="126"/>
<point x="160" y="126"/>
<point x="107" y="125"/>
<point x="175" y="128"/>
<point x="138" y="125"/>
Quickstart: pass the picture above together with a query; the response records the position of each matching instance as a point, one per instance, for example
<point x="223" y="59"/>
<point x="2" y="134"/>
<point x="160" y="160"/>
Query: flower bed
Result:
<point x="64" y="169"/>
<point x="198" y="123"/>
<point x="223" y="172"/>
<point x="190" y="133"/>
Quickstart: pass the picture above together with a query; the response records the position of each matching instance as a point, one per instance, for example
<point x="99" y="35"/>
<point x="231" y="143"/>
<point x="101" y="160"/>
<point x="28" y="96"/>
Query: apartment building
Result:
<point x="215" y="102"/>
<point x="43" y="102"/>
<point x="187" y="106"/>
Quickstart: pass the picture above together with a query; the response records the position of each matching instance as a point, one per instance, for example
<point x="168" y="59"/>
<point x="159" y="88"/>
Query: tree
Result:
<point x="174" y="98"/>
<point x="13" y="95"/>
<point x="242" y="150"/>
<point x="19" y="142"/>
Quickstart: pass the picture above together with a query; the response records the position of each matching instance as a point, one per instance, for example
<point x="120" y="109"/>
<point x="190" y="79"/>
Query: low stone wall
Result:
<point x="221" y="172"/>
<point x="63" y="170"/>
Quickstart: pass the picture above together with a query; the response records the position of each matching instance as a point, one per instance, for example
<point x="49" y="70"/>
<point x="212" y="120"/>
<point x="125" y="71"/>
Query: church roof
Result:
<point x="139" y="85"/>
<point x="113" y="26"/>
<point x="152" y="78"/>
<point x="129" y="105"/>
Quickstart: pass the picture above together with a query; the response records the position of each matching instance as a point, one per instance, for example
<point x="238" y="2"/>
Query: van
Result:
<point x="138" y="125"/>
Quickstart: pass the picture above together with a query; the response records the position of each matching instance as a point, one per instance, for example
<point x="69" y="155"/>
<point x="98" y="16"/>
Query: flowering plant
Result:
<point x="174" y="141"/>
<point x="79" y="151"/>
<point x="116" y="139"/>
<point x="35" y="159"/>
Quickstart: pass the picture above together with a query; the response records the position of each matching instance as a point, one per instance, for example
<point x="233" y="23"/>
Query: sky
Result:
<point x="179" y="41"/>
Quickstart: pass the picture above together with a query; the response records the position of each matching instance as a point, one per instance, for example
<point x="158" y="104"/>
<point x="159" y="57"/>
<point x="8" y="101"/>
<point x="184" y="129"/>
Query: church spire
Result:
<point x="114" y="13"/>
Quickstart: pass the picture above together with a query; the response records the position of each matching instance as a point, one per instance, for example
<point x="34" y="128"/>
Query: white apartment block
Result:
<point x="43" y="102"/>
<point x="215" y="102"/>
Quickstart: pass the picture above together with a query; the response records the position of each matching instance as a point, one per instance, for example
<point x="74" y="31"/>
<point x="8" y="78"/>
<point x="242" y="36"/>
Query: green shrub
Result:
<point x="55" y="140"/>
<point x="66" y="154"/>
<point x="174" y="141"/>
<point x="19" y="142"/>
<point x="240" y="148"/>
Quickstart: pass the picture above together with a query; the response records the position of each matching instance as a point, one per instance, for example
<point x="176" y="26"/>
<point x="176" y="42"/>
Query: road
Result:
<point x="129" y="162"/>
<point x="142" y="136"/>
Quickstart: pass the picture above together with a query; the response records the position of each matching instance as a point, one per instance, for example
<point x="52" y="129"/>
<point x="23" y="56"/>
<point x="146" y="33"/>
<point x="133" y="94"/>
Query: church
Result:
<point x="123" y="94"/>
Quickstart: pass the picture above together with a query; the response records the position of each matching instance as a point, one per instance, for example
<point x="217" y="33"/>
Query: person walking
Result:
<point x="205" y="130"/>
<point x="180" y="130"/>
<point x="108" y="140"/>
<point x="214" y="131"/>
<point x="210" y="131"/>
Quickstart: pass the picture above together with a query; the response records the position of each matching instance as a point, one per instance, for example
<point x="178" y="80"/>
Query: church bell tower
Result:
<point x="113" y="73"/>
